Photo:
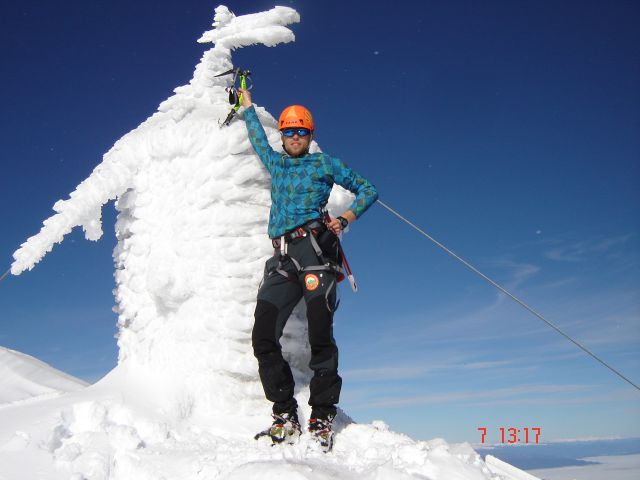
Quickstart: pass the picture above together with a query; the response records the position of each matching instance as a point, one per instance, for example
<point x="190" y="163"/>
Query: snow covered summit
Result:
<point x="185" y="399"/>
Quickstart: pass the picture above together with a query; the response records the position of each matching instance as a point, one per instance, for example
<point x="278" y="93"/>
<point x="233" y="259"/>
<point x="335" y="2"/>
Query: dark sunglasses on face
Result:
<point x="290" y="132"/>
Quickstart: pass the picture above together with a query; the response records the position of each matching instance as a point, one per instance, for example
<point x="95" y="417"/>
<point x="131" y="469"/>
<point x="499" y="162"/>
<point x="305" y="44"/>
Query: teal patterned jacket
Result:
<point x="300" y="186"/>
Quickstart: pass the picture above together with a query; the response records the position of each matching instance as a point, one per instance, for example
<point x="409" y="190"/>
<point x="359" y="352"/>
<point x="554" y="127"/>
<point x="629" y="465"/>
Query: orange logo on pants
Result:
<point x="311" y="281"/>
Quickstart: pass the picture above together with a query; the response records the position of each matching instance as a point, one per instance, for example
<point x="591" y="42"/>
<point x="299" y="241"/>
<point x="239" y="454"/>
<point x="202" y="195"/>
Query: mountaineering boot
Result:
<point x="285" y="428"/>
<point x="321" y="432"/>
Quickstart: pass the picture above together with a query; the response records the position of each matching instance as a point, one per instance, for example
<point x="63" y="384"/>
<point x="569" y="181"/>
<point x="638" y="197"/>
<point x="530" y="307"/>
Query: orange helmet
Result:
<point x="295" y="116"/>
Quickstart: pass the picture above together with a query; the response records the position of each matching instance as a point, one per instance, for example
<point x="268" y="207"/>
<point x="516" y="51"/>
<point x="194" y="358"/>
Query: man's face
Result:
<point x="296" y="144"/>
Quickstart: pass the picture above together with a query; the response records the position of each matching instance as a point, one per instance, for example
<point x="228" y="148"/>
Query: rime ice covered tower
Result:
<point x="193" y="202"/>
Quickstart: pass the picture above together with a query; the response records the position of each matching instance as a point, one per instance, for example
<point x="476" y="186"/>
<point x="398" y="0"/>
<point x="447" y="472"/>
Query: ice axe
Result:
<point x="345" y="264"/>
<point x="235" y="98"/>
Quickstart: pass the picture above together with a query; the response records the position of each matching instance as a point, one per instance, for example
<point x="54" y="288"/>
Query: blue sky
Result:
<point x="507" y="130"/>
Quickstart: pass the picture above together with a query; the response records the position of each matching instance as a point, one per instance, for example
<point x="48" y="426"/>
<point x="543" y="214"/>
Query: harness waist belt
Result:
<point x="313" y="226"/>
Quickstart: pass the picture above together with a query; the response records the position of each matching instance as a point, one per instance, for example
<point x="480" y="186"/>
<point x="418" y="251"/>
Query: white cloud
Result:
<point x="412" y="371"/>
<point x="581" y="250"/>
<point x="495" y="395"/>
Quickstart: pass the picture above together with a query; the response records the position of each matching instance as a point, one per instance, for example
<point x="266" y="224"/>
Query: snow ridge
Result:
<point x="24" y="377"/>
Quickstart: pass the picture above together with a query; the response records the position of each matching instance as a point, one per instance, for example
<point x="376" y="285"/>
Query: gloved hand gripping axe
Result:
<point x="235" y="98"/>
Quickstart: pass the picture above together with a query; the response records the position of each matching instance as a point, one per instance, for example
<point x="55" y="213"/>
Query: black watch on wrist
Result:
<point x="344" y="223"/>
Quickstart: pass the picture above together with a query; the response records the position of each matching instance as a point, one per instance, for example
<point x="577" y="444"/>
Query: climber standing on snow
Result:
<point x="305" y="264"/>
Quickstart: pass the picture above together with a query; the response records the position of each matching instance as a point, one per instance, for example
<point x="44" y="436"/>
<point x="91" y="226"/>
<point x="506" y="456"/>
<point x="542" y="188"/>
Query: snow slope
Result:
<point x="116" y="429"/>
<point x="185" y="400"/>
<point x="24" y="377"/>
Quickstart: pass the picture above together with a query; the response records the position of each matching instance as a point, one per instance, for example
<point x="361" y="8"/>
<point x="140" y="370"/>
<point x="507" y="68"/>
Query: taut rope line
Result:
<point x="513" y="297"/>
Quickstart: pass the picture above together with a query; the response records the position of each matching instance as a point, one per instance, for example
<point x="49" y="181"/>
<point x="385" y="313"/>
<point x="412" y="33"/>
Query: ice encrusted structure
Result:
<point x="193" y="200"/>
<point x="185" y="399"/>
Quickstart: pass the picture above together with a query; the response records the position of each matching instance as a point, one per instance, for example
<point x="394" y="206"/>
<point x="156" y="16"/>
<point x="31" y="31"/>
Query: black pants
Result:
<point x="277" y="297"/>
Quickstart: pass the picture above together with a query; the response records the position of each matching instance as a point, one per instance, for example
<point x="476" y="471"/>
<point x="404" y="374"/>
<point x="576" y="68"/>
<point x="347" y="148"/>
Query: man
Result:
<point x="305" y="265"/>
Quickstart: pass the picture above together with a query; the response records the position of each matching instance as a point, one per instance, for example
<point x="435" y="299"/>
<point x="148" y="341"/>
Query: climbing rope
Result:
<point x="513" y="297"/>
<point x="4" y="275"/>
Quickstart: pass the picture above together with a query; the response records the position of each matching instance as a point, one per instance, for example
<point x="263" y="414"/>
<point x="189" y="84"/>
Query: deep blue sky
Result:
<point x="508" y="130"/>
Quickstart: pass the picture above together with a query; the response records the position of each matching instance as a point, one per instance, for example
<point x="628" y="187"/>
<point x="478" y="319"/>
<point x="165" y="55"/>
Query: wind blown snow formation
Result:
<point x="185" y="399"/>
<point x="193" y="203"/>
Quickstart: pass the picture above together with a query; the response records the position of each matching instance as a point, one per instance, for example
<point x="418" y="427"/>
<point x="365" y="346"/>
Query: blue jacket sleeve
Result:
<point x="258" y="138"/>
<point x="366" y="194"/>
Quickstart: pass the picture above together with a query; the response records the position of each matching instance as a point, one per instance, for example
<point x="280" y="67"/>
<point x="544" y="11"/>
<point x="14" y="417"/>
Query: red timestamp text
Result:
<point x="514" y="435"/>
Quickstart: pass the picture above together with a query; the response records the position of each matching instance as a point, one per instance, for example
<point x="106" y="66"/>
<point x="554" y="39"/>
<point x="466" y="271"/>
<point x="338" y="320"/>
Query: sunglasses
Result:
<point x="290" y="132"/>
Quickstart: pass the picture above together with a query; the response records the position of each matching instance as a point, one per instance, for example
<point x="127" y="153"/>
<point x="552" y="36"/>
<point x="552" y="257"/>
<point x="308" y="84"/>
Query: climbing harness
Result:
<point x="312" y="230"/>
<point x="503" y="290"/>
<point x="235" y="98"/>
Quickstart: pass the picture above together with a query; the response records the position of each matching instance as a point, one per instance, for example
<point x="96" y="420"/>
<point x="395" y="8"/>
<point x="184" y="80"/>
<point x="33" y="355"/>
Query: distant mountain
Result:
<point x="561" y="454"/>
<point x="23" y="377"/>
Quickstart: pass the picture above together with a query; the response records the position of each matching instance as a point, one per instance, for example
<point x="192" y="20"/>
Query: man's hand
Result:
<point x="336" y="226"/>
<point x="246" y="97"/>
